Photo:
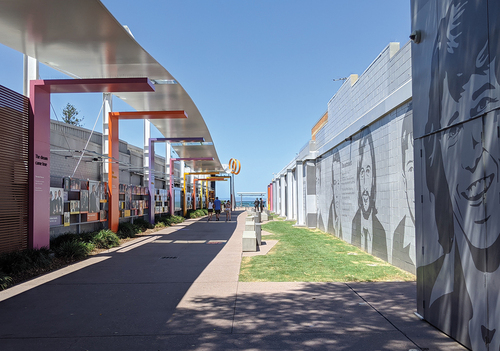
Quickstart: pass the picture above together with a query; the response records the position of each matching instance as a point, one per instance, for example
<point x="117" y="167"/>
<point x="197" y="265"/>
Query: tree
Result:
<point x="70" y="114"/>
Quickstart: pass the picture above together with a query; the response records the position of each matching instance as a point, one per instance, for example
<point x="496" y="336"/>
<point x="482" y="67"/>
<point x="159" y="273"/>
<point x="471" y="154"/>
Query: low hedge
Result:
<point x="19" y="261"/>
<point x="168" y="220"/>
<point x="127" y="230"/>
<point x="106" y="239"/>
<point x="196" y="213"/>
<point x="73" y="249"/>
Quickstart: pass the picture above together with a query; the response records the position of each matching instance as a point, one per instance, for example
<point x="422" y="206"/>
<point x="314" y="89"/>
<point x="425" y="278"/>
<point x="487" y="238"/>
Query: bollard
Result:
<point x="249" y="226"/>
<point x="249" y="242"/>
<point x="257" y="217"/>
<point x="258" y="233"/>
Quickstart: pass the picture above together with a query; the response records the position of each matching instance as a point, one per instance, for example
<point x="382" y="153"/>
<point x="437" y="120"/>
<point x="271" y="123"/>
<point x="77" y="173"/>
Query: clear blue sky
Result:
<point x="260" y="72"/>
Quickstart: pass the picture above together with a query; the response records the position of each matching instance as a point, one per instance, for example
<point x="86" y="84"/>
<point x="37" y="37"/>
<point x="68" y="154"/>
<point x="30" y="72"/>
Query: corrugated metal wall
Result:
<point x="13" y="170"/>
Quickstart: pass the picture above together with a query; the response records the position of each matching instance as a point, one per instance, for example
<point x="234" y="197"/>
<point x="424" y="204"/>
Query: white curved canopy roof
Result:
<point x="82" y="39"/>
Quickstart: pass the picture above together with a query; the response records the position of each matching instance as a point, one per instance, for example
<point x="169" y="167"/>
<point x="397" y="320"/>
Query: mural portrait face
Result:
<point x="336" y="181"/>
<point x="475" y="178"/>
<point x="366" y="176"/>
<point x="318" y="178"/>
<point x="409" y="179"/>
<point x="462" y="170"/>
<point x="366" y="180"/>
<point x="472" y="175"/>
<point x="319" y="197"/>
<point x="464" y="86"/>
<point x="407" y="163"/>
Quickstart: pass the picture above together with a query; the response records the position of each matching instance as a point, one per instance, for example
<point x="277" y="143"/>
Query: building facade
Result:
<point x="456" y="98"/>
<point x="354" y="178"/>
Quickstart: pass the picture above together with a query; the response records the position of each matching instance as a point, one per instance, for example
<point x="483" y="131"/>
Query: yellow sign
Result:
<point x="234" y="166"/>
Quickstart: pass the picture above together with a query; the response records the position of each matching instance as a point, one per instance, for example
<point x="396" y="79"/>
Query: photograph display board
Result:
<point x="56" y="201"/>
<point x="94" y="197"/>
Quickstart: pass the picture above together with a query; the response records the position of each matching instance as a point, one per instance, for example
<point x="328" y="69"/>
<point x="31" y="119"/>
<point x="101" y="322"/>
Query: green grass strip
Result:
<point x="306" y="255"/>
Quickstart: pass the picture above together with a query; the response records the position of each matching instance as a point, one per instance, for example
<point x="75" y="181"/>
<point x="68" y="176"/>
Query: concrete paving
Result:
<point x="178" y="289"/>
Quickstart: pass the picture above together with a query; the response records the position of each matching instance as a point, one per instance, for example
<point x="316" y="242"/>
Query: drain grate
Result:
<point x="168" y="257"/>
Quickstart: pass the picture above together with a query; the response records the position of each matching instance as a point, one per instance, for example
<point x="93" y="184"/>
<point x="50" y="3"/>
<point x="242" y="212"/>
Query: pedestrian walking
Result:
<point x="227" y="207"/>
<point x="217" y="207"/>
<point x="210" y="210"/>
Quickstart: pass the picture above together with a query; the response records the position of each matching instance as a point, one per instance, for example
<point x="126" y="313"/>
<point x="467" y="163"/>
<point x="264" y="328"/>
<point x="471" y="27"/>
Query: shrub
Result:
<point x="86" y="237"/>
<point x="196" y="213"/>
<point x="142" y="224"/>
<point x="19" y="261"/>
<point x="169" y="220"/>
<point x="176" y="219"/>
<point x="199" y="213"/>
<point x="127" y="230"/>
<point x="106" y="239"/>
<point x="5" y="281"/>
<point x="74" y="249"/>
<point x="63" y="238"/>
<point x="160" y="225"/>
<point x="166" y="220"/>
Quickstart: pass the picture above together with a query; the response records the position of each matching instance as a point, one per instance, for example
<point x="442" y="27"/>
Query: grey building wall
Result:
<point x="456" y="86"/>
<point x="361" y="190"/>
<point x="65" y="139"/>
<point x="65" y="142"/>
<point x="358" y="173"/>
<point x="63" y="161"/>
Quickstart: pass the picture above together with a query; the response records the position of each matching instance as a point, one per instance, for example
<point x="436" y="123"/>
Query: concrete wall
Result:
<point x="361" y="147"/>
<point x="456" y="87"/>
<point x="346" y="173"/>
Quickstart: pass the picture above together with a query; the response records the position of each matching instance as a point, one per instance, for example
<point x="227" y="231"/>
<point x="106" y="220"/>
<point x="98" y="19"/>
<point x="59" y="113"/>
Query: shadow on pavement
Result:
<point x="130" y="293"/>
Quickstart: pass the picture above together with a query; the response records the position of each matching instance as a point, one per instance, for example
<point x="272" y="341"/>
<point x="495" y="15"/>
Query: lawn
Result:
<point x="306" y="255"/>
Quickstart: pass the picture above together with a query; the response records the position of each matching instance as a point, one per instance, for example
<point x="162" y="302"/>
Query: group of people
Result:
<point x="217" y="205"/>
<point x="56" y="203"/>
<point x="259" y="205"/>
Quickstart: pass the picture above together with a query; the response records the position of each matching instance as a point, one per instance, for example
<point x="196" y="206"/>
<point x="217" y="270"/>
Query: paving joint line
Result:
<point x="387" y="319"/>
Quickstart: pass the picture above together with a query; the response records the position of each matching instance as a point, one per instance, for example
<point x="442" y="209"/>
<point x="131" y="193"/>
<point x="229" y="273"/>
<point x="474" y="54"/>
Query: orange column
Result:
<point x="114" y="174"/>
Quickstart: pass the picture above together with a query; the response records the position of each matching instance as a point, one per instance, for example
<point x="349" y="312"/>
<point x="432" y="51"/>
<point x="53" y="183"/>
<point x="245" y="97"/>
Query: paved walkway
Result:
<point x="178" y="289"/>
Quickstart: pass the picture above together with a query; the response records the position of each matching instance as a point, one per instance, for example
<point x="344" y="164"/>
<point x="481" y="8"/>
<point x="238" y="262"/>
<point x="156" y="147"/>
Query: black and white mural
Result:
<point x="456" y="96"/>
<point x="334" y="219"/>
<point x="367" y="231"/>
<point x="365" y="189"/>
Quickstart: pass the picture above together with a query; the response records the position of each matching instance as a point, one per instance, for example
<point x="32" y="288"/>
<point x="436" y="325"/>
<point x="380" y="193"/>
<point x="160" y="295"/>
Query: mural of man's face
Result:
<point x="318" y="176"/>
<point x="366" y="181"/>
<point x="471" y="163"/>
<point x="336" y="187"/>
<point x="409" y="178"/>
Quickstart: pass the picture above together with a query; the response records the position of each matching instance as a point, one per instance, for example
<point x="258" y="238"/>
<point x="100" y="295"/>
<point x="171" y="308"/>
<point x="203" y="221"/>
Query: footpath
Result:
<point x="178" y="289"/>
